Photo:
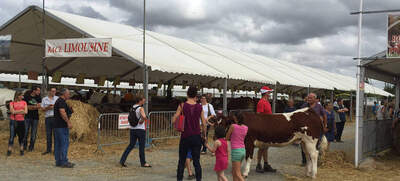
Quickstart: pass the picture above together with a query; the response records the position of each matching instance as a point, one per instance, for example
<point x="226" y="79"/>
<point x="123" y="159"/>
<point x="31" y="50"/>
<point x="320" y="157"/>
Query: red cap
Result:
<point x="265" y="89"/>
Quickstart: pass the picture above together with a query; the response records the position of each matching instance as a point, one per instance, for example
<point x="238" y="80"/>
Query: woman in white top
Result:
<point x="209" y="113"/>
<point x="137" y="133"/>
<point x="381" y="112"/>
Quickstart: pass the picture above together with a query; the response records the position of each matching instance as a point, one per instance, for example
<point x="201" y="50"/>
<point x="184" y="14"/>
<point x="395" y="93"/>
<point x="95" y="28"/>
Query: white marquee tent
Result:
<point x="169" y="58"/>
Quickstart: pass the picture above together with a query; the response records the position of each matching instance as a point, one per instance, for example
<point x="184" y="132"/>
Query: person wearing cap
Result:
<point x="264" y="107"/>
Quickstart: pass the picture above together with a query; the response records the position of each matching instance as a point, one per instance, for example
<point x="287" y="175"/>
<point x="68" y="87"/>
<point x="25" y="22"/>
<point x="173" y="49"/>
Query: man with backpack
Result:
<point x="137" y="118"/>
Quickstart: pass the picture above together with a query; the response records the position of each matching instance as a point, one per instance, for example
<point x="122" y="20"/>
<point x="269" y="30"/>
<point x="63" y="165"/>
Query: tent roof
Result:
<point x="170" y="58"/>
<point x="381" y="68"/>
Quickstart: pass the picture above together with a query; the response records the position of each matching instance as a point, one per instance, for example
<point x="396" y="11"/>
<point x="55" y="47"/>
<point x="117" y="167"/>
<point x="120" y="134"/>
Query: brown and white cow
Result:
<point x="277" y="130"/>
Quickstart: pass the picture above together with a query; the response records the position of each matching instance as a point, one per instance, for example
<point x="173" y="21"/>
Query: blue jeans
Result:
<point x="61" y="144"/>
<point x="17" y="128"/>
<point x="136" y="134"/>
<point x="12" y="133"/>
<point x="31" y="124"/>
<point x="49" y="132"/>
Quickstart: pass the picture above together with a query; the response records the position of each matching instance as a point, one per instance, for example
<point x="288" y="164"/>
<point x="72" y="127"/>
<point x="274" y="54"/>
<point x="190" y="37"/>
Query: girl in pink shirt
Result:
<point x="221" y="153"/>
<point x="18" y="109"/>
<point x="236" y="134"/>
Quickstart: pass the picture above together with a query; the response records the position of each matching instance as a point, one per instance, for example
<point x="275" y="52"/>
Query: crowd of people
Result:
<point x="24" y="119"/>
<point x="198" y="118"/>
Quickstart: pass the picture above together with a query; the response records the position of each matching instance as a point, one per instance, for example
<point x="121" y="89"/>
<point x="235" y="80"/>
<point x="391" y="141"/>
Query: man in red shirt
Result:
<point x="264" y="107"/>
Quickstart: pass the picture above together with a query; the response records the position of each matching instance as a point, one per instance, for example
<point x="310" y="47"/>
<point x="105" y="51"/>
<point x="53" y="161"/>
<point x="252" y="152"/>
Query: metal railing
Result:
<point x="377" y="136"/>
<point x="109" y="133"/>
<point x="161" y="126"/>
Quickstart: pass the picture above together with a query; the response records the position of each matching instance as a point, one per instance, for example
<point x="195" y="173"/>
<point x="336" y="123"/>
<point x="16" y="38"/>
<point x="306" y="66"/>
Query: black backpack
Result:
<point x="132" y="118"/>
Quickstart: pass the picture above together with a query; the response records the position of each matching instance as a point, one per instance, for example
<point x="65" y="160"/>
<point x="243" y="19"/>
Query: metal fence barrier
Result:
<point x="377" y="136"/>
<point x="109" y="134"/>
<point x="160" y="126"/>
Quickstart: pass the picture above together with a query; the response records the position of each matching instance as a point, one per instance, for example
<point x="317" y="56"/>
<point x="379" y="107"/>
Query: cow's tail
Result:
<point x="323" y="145"/>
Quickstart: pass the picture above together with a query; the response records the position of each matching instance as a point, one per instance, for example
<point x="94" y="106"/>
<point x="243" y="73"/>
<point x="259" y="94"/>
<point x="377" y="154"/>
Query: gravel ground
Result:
<point x="99" y="167"/>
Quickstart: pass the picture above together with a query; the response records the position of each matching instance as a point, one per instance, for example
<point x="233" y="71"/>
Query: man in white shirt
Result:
<point x="209" y="113"/>
<point x="48" y="106"/>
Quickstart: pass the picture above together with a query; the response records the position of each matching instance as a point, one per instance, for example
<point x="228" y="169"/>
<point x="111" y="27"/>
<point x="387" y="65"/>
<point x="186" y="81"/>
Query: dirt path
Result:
<point x="99" y="167"/>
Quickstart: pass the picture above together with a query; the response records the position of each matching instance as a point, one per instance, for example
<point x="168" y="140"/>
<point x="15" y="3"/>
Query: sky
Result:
<point x="316" y="33"/>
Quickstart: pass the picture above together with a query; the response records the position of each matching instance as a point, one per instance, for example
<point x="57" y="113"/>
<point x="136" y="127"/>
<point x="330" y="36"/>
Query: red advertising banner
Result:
<point x="393" y="42"/>
<point x="123" y="122"/>
<point x="80" y="47"/>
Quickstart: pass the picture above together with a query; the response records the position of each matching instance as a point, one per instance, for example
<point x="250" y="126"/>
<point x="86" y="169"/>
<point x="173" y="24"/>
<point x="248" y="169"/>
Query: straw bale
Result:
<point x="84" y="122"/>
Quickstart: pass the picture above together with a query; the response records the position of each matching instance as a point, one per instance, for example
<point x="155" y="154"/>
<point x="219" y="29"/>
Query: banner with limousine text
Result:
<point x="79" y="47"/>
<point x="393" y="43"/>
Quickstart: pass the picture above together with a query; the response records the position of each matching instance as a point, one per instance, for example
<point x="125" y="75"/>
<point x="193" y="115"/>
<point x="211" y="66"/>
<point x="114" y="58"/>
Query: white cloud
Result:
<point x="317" y="33"/>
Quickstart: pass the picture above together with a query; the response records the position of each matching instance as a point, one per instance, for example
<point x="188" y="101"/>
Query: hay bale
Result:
<point x="84" y="122"/>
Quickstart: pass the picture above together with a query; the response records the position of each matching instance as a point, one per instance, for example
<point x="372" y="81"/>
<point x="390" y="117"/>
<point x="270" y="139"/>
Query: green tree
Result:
<point x="390" y="88"/>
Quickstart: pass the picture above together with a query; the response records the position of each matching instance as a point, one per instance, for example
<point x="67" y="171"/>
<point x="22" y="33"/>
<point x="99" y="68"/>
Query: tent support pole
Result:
<point x="44" y="71"/>
<point x="19" y="79"/>
<point x="360" y="96"/>
<point x="332" y="96"/>
<point x="225" y="99"/>
<point x="145" y="70"/>
<point x="275" y="94"/>
<point x="309" y="89"/>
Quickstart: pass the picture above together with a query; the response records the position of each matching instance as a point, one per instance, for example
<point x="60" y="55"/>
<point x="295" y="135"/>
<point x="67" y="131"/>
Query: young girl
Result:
<point x="221" y="153"/>
<point x="188" y="167"/>
<point x="236" y="134"/>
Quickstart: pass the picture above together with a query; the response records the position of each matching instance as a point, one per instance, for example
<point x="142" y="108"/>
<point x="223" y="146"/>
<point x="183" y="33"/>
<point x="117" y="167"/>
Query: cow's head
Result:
<point x="224" y="121"/>
<point x="307" y="120"/>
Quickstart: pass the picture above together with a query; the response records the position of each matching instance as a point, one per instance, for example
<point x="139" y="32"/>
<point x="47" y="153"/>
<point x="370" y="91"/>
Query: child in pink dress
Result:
<point x="220" y="149"/>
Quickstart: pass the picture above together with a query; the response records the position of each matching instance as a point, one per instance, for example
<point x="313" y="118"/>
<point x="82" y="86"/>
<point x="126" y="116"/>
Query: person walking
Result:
<point x="236" y="135"/>
<point x="330" y="115"/>
<point x="264" y="107"/>
<point x="209" y="113"/>
<point x="48" y="106"/>
<point x="374" y="108"/>
<point x="32" y="98"/>
<point x="62" y="124"/>
<point x="137" y="133"/>
<point x="341" y="110"/>
<point x="220" y="149"/>
<point x="18" y="110"/>
<point x="191" y="137"/>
